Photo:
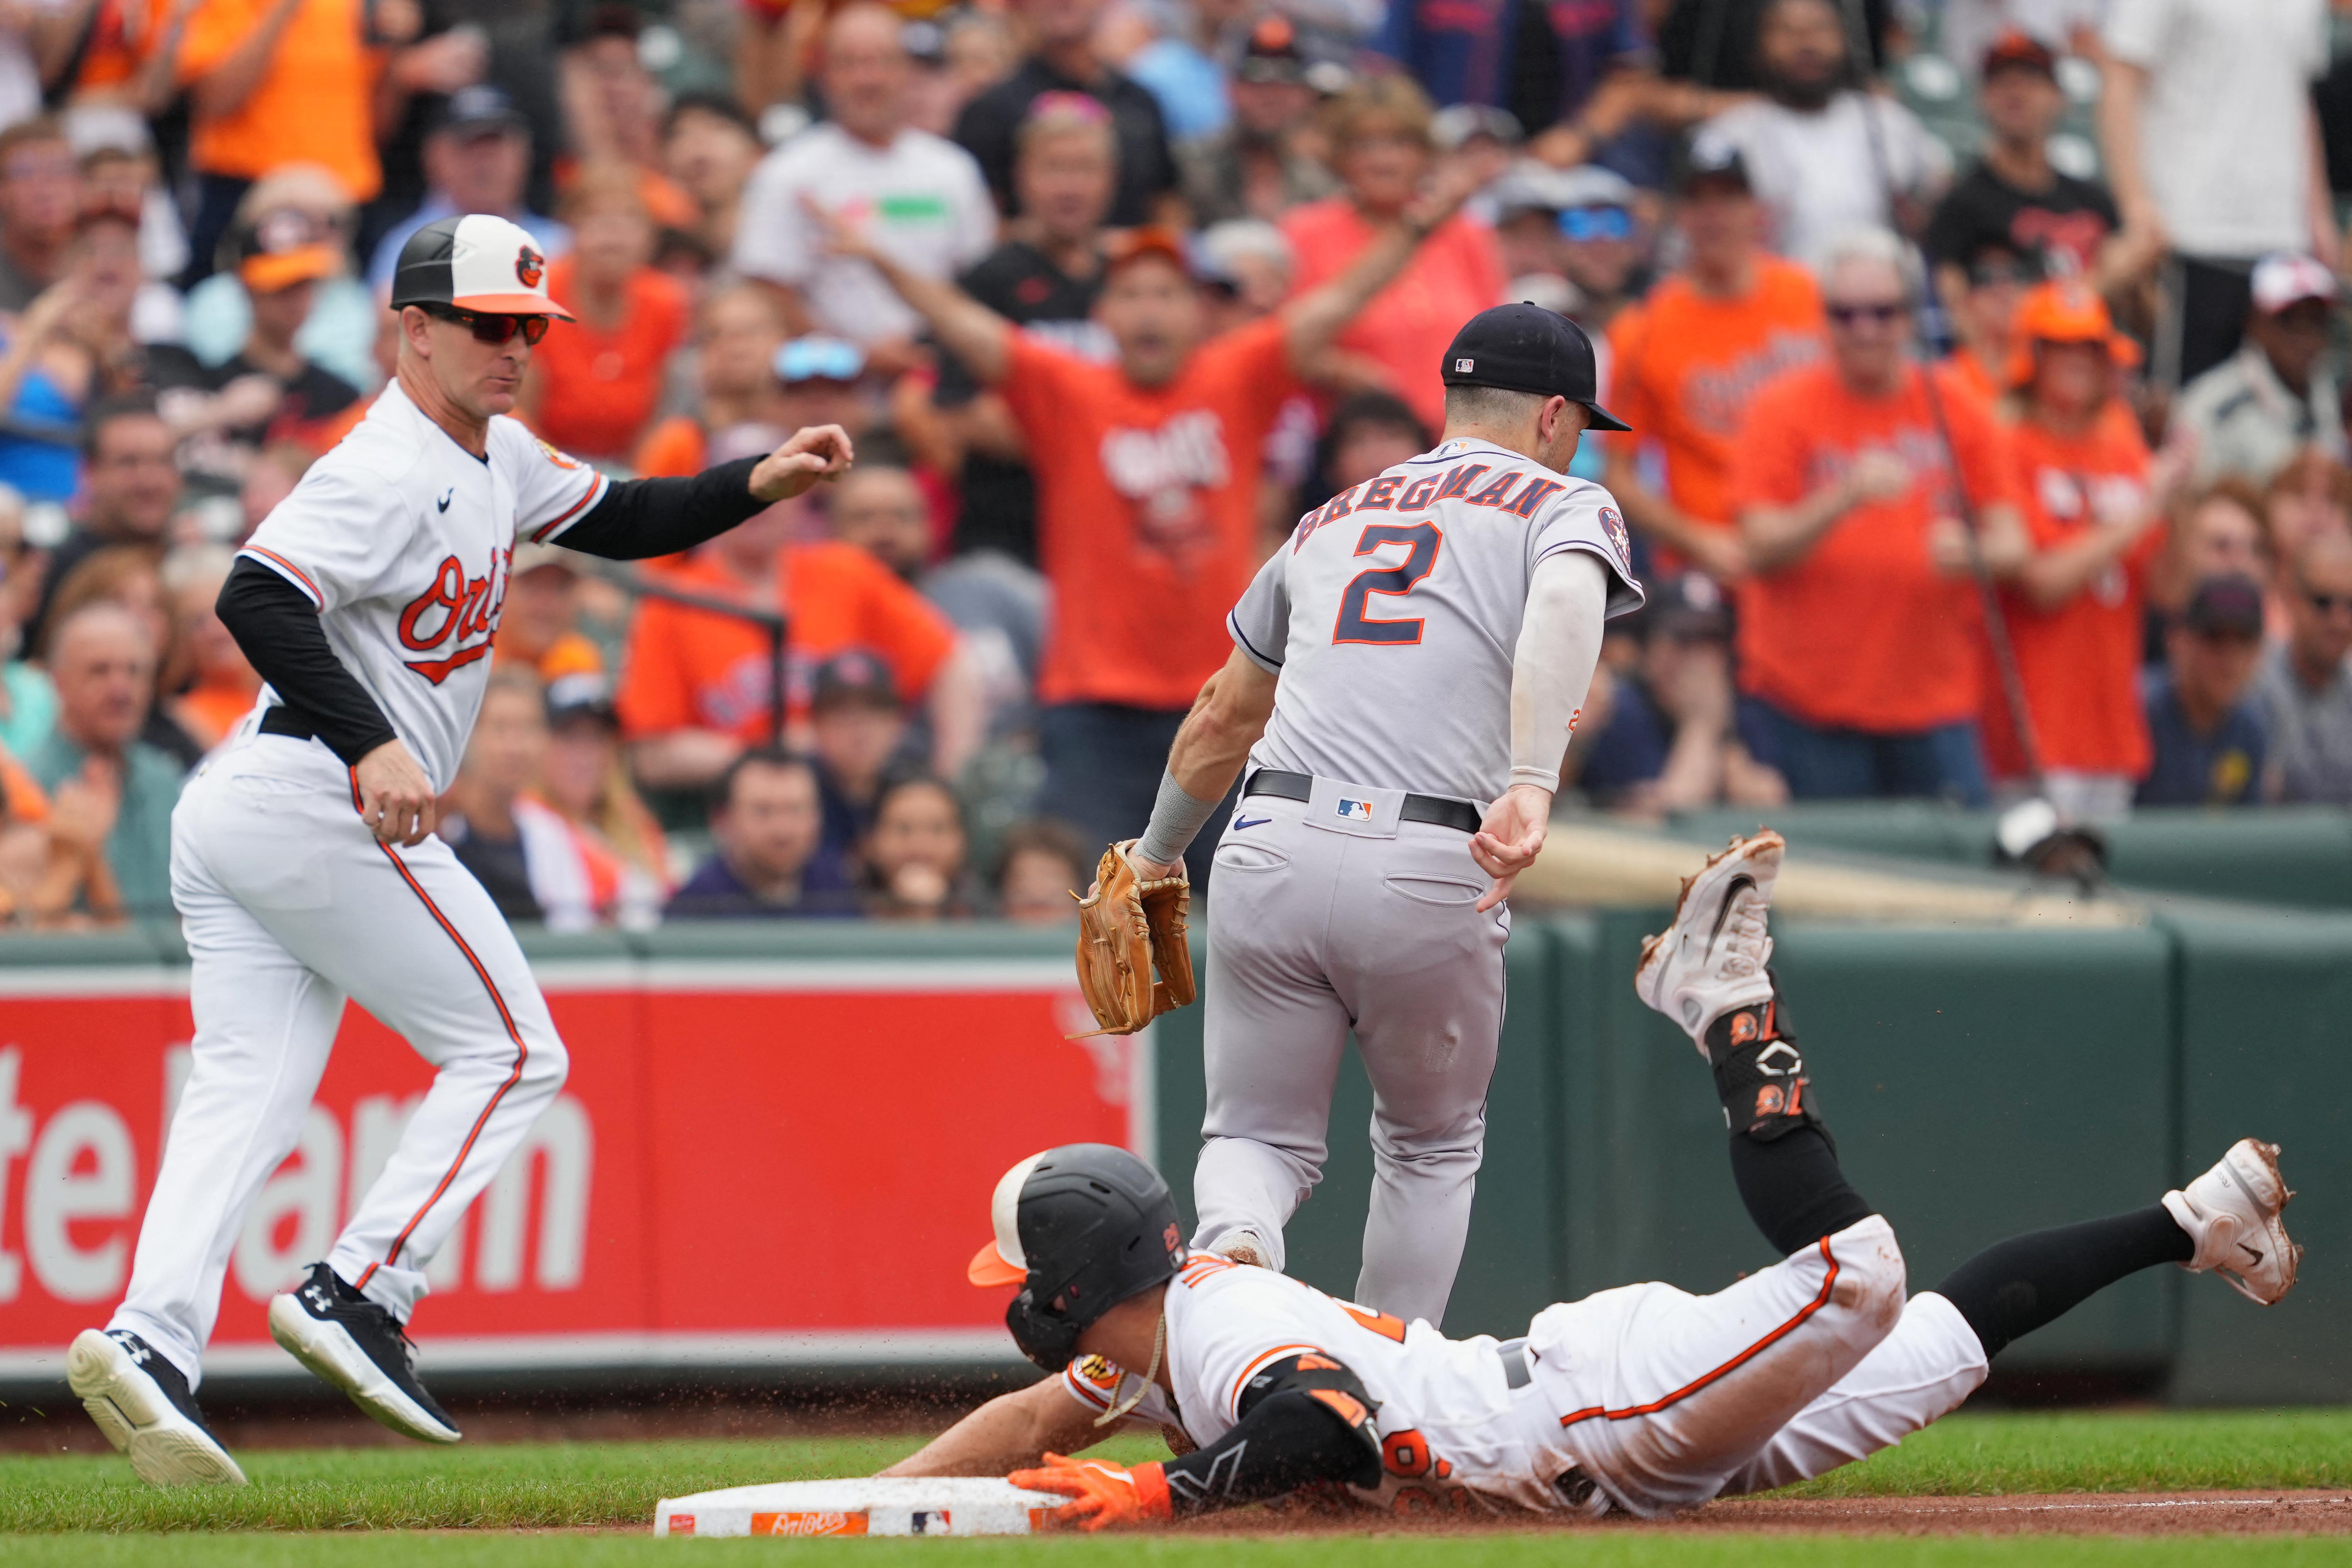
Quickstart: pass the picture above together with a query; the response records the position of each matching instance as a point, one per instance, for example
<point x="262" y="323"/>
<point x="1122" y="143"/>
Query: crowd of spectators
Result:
<point x="1981" y="355"/>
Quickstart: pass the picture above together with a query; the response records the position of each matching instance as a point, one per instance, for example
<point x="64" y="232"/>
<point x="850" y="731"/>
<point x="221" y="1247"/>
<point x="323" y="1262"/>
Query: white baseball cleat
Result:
<point x="1711" y="960"/>
<point x="141" y="1403"/>
<point x="2231" y="1212"/>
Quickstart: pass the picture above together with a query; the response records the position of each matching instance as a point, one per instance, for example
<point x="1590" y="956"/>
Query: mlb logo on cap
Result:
<point x="1464" y="366"/>
<point x="1354" y="811"/>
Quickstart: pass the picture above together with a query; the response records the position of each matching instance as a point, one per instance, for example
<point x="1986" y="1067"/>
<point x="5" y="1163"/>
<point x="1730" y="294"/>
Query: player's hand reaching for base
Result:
<point x="1510" y="838"/>
<point x="818" y="452"/>
<point x="1101" y="1493"/>
<point x="395" y="797"/>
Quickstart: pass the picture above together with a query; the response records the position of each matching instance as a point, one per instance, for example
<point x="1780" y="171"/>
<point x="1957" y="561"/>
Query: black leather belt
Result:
<point x="1435" y="810"/>
<point x="281" y="719"/>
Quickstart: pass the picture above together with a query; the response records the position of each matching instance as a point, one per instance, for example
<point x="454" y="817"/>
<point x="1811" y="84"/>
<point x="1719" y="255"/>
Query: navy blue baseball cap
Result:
<point x="1526" y="348"/>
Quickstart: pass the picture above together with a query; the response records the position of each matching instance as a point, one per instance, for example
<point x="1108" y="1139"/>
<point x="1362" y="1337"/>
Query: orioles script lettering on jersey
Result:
<point x="468" y="624"/>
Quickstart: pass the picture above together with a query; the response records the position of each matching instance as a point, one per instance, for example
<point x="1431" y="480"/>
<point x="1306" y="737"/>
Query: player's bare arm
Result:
<point x="1011" y="1432"/>
<point x="963" y="326"/>
<point x="1215" y="739"/>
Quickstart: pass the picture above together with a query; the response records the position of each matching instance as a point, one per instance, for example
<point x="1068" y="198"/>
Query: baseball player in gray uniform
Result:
<point x="1406" y="671"/>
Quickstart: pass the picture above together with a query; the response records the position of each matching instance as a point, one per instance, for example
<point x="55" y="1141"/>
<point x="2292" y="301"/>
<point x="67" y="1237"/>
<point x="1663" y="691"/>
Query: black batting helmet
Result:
<point x="1080" y="1228"/>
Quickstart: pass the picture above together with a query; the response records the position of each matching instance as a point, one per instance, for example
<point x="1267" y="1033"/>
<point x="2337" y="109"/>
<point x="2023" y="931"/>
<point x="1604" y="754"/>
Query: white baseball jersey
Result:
<point x="402" y="538"/>
<point x="1449" y="1426"/>
<point x="1393" y="616"/>
<point x="1644" y="1398"/>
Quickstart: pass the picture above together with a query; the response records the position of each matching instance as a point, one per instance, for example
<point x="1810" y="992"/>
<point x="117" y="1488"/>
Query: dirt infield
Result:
<point x="2265" y="1512"/>
<point x="2066" y="1513"/>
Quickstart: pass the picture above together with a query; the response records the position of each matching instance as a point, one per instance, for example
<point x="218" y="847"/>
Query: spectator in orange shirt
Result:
<point x="740" y="332"/>
<point x="594" y="395"/>
<point x="272" y="82"/>
<point x="700" y="687"/>
<point x="2093" y="501"/>
<point x="1380" y="128"/>
<point x="1857" y="633"/>
<point x="1148" y="473"/>
<point x="1684" y="363"/>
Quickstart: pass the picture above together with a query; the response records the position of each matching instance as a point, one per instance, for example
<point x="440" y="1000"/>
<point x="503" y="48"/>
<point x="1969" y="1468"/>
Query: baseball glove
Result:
<point x="1126" y="927"/>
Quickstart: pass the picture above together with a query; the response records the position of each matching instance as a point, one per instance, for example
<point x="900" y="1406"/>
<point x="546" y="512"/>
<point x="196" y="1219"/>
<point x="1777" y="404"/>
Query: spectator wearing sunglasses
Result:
<point x="1602" y="246"/>
<point x="1981" y="293"/>
<point x="1857" y="631"/>
<point x="2306" y="683"/>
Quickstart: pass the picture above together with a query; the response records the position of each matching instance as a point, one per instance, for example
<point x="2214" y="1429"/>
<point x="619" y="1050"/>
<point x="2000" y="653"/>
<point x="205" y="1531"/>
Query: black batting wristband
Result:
<point x="639" y="519"/>
<point x="278" y="627"/>
<point x="1305" y="1420"/>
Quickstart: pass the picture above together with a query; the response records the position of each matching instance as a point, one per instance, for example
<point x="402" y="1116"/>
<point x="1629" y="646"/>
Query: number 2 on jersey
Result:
<point x="1354" y="625"/>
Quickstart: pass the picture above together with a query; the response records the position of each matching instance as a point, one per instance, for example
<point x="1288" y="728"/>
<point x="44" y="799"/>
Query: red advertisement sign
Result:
<point x="751" y="1163"/>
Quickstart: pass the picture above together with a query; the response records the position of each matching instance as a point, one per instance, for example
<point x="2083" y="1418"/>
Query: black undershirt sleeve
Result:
<point x="1305" y="1419"/>
<point x="277" y="626"/>
<point x="638" y="518"/>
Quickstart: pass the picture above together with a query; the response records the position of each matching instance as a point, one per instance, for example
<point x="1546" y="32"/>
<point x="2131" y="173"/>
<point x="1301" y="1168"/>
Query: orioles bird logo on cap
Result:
<point x="530" y="266"/>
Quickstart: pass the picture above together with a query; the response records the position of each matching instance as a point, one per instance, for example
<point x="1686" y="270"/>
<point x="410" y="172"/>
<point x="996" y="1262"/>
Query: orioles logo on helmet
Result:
<point x="530" y="266"/>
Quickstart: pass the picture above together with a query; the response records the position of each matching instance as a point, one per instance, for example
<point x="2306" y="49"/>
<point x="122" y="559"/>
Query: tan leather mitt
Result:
<point x="1127" y="928"/>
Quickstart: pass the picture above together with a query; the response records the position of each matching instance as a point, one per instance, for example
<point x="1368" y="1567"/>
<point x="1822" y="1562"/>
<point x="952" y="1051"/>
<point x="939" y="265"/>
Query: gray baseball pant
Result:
<point x="1317" y="931"/>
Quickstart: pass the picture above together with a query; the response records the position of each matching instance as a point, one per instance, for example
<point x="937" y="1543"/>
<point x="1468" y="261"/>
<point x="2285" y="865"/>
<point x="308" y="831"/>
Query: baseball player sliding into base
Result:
<point x="303" y="864"/>
<point x="1643" y="1400"/>
<point x="1405" y="674"/>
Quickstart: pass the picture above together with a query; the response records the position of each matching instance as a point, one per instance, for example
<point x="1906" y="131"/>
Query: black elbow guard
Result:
<point x="1305" y="1419"/>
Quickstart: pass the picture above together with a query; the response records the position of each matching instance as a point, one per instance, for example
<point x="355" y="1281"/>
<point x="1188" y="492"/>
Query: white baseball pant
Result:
<point x="290" y="905"/>
<point x="1665" y="1399"/>
<point x="1313" y="931"/>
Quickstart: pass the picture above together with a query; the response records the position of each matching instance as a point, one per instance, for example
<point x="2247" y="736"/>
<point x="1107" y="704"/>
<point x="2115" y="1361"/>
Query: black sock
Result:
<point x="1793" y="1188"/>
<point x="2014" y="1287"/>
<point x="1783" y="1160"/>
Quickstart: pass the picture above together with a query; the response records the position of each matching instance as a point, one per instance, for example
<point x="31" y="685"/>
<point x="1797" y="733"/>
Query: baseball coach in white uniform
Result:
<point x="1406" y="670"/>
<point x="303" y="863"/>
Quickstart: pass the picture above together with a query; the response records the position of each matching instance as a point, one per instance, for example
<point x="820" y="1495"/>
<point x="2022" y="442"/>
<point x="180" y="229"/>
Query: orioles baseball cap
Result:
<point x="2066" y="311"/>
<point x="1151" y="239"/>
<point x="1526" y="348"/>
<point x="282" y="248"/>
<point x="477" y="262"/>
<point x="2283" y="278"/>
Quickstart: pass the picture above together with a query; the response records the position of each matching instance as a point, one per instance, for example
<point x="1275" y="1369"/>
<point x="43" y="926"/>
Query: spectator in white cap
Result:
<point x="2277" y="394"/>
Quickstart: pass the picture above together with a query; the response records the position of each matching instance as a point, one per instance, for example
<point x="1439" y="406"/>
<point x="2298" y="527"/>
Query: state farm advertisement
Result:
<point x="752" y="1163"/>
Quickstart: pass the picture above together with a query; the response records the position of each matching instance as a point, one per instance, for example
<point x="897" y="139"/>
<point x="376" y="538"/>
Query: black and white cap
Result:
<point x="477" y="262"/>
<point x="1526" y="348"/>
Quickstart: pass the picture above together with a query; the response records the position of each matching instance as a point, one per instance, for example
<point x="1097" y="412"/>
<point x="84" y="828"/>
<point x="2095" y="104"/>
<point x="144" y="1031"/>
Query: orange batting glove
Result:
<point x="1102" y="1493"/>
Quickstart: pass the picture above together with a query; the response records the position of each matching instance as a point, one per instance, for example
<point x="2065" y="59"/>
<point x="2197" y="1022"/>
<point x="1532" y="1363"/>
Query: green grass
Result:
<point x="548" y="1485"/>
<point x="1586" y="1550"/>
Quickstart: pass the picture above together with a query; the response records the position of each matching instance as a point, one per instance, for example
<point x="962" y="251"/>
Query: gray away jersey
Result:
<point x="1393" y="616"/>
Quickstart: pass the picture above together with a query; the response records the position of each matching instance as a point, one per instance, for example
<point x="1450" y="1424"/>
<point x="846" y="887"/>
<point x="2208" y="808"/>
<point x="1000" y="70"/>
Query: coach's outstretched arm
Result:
<point x="1551" y="672"/>
<point x="1213" y="742"/>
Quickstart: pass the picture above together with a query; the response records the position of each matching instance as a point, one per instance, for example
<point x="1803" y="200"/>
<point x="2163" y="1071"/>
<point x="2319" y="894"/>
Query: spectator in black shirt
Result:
<point x="1065" y="61"/>
<point x="2012" y="199"/>
<point x="1043" y="278"/>
<point x="282" y="260"/>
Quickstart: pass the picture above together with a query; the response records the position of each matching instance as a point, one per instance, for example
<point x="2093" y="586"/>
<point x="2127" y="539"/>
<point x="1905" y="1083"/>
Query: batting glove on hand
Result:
<point x="1102" y="1493"/>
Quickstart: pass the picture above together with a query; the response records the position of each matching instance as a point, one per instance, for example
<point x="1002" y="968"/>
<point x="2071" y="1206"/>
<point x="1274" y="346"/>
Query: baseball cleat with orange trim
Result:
<point x="361" y="1348"/>
<point x="142" y="1404"/>
<point x="2233" y="1214"/>
<point x="1712" y="959"/>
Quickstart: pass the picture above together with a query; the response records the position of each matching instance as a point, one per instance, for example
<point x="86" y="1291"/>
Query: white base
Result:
<point x="960" y="1505"/>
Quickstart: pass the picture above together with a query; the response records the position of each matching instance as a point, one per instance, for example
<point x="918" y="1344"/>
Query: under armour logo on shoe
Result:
<point x="139" y="1353"/>
<point x="316" y="1297"/>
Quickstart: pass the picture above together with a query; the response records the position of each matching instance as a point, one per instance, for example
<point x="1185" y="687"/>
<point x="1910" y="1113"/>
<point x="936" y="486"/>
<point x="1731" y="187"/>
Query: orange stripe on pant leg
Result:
<point x="522" y="1055"/>
<point x="1742" y="1359"/>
